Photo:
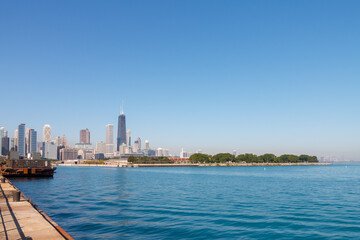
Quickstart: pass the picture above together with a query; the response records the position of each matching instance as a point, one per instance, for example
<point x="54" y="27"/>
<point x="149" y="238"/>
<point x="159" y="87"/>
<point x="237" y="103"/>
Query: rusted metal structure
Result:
<point x="16" y="167"/>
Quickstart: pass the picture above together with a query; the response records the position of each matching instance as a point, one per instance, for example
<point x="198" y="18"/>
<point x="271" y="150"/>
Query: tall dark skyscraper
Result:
<point x="4" y="145"/>
<point x="21" y="139"/>
<point x="121" y="136"/>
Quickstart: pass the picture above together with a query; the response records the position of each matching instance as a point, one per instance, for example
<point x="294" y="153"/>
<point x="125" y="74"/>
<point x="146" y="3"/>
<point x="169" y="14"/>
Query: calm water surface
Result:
<point x="313" y="202"/>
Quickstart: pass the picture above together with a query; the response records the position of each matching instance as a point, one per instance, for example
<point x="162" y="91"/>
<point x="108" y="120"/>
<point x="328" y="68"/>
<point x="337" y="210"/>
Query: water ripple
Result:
<point x="202" y="203"/>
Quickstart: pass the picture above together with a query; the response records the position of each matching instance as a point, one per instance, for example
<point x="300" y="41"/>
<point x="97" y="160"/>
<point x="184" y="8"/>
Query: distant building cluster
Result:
<point x="25" y="142"/>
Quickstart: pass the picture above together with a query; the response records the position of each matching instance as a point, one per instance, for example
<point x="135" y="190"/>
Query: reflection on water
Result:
<point x="29" y="179"/>
<point x="182" y="203"/>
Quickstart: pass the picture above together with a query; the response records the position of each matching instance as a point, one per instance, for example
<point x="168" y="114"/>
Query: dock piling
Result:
<point x="16" y="196"/>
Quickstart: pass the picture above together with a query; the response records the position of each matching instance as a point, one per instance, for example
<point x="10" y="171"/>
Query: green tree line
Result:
<point x="147" y="160"/>
<point x="251" y="158"/>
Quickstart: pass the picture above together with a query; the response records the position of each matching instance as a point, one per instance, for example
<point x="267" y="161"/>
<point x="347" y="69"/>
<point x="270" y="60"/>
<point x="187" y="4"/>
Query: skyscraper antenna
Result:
<point x="122" y="107"/>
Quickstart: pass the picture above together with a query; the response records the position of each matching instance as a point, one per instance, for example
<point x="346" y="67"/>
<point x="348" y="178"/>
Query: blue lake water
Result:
<point x="313" y="202"/>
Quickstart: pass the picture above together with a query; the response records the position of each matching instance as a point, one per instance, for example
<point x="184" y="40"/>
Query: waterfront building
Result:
<point x="161" y="152"/>
<point x="58" y="149"/>
<point x="63" y="140"/>
<point x="184" y="154"/>
<point x="128" y="138"/>
<point x="31" y="141"/>
<point x="139" y="143"/>
<point x="109" y="140"/>
<point x="85" y="136"/>
<point x="27" y="141"/>
<point x="49" y="150"/>
<point x="58" y="141"/>
<point x="109" y="134"/>
<point x="98" y="156"/>
<point x="148" y="152"/>
<point x="12" y="144"/>
<point x="158" y="152"/>
<point x="68" y="154"/>
<point x="89" y="155"/>
<point x="86" y="154"/>
<point x="136" y="146"/>
<point x="100" y="147"/>
<point x="122" y="148"/>
<point x="35" y="156"/>
<point x="109" y="150"/>
<point x="2" y="134"/>
<point x="4" y="145"/>
<point x="46" y="133"/>
<point x="16" y="140"/>
<point x="126" y="156"/>
<point x="147" y="145"/>
<point x="83" y="146"/>
<point x="128" y="150"/>
<point x="21" y="140"/>
<point x="121" y="135"/>
<point x="125" y="149"/>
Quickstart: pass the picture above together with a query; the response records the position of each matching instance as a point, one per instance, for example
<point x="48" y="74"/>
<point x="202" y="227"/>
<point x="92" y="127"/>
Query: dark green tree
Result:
<point x="222" y="157"/>
<point x="288" y="158"/>
<point x="199" y="158"/>
<point x="307" y="158"/>
<point x="267" y="158"/>
<point x="247" y="157"/>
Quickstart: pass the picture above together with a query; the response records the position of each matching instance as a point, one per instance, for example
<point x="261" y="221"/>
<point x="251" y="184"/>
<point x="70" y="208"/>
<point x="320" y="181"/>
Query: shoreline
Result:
<point x="23" y="219"/>
<point x="195" y="165"/>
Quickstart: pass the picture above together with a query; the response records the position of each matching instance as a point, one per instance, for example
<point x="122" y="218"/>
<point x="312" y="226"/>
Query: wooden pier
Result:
<point x="23" y="219"/>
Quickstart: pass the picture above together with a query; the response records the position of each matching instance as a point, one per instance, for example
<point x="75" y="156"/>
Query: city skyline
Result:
<point x="247" y="76"/>
<point x="85" y="134"/>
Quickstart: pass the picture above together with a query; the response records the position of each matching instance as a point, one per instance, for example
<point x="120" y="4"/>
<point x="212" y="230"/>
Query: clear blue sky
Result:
<point x="255" y="76"/>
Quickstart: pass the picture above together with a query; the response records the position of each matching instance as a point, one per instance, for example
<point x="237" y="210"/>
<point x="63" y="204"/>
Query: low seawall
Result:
<point x="260" y="164"/>
<point x="196" y="165"/>
<point x="165" y="165"/>
<point x="22" y="219"/>
<point x="226" y="164"/>
<point x="91" y="165"/>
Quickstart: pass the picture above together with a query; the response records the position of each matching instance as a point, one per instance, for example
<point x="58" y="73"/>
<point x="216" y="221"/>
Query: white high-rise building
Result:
<point x="47" y="133"/>
<point x="147" y="145"/>
<point x="109" y="134"/>
<point x="12" y="144"/>
<point x="135" y="146"/>
<point x="100" y="147"/>
<point x="58" y="141"/>
<point x="183" y="154"/>
<point x="123" y="149"/>
<point x="2" y="134"/>
<point x="128" y="138"/>
<point x="49" y="150"/>
<point x="161" y="152"/>
<point x="109" y="140"/>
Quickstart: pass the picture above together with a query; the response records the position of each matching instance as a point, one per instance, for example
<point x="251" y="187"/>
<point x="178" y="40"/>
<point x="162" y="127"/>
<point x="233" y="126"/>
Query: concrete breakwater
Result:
<point x="260" y="164"/>
<point x="196" y="164"/>
<point x="228" y="164"/>
<point x="22" y="219"/>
